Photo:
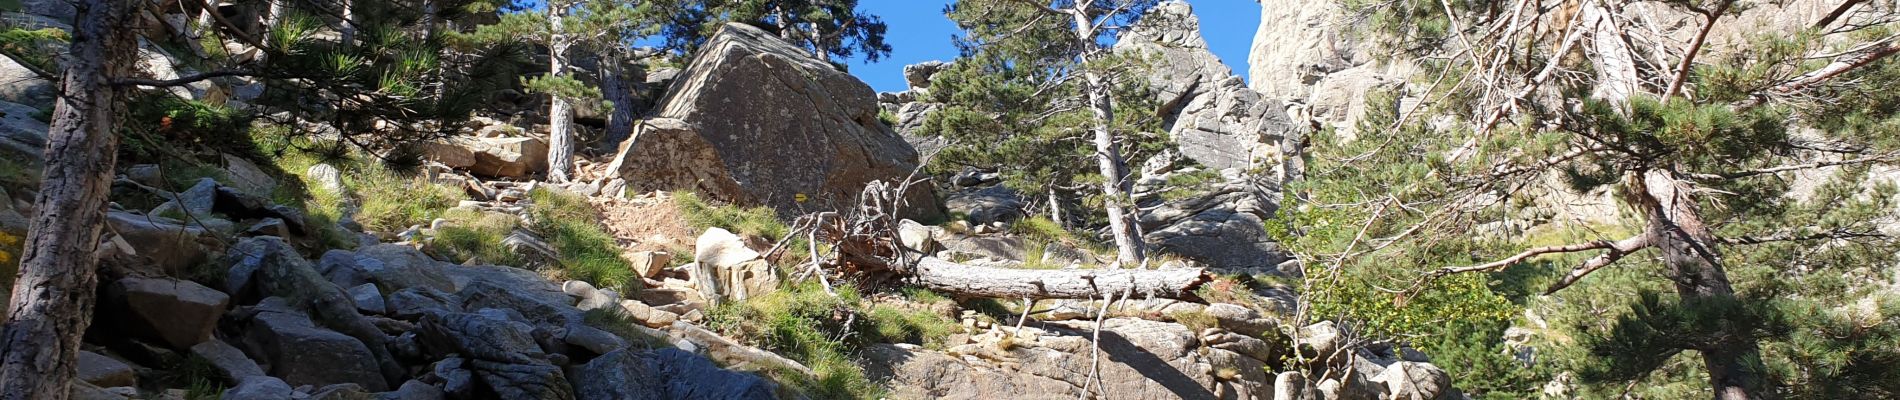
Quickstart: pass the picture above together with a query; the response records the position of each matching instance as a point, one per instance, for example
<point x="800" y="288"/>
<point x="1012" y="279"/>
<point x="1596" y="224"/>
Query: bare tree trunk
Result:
<point x="1615" y="63"/>
<point x="1009" y="283"/>
<point x="54" y="292"/>
<point x="1115" y="185"/>
<point x="1675" y="227"/>
<point x="346" y="27"/>
<point x="429" y="10"/>
<point x="1055" y="209"/>
<point x="560" y="115"/>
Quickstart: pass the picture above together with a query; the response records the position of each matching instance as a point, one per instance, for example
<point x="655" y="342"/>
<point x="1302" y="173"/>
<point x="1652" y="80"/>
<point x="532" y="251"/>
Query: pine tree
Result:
<point x="828" y="28"/>
<point x="1719" y="257"/>
<point x="1037" y="78"/>
<point x="567" y="28"/>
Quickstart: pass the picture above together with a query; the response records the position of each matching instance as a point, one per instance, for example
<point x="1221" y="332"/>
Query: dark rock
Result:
<point x="414" y="390"/>
<point x="987" y="205"/>
<point x="177" y="312"/>
<point x="231" y="362"/>
<point x="301" y="353"/>
<point x="259" y="388"/>
<point x="164" y="246"/>
<point x="106" y="372"/>
<point x="280" y="271"/>
<point x="415" y="302"/>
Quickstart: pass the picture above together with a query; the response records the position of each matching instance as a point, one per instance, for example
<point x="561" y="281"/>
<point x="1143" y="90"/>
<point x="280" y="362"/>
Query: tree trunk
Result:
<point x="1008" y="283"/>
<point x="1115" y="186"/>
<point x="1055" y="209"/>
<point x="346" y="26"/>
<point x="429" y="10"/>
<point x="1675" y="227"/>
<point x="560" y="115"/>
<point x="53" y="294"/>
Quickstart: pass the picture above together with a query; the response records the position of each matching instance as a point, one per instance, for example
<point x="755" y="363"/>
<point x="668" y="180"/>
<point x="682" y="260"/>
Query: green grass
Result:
<point x="585" y="249"/>
<point x="756" y="221"/>
<point x="477" y="235"/>
<point x="802" y="322"/>
<point x="392" y="202"/>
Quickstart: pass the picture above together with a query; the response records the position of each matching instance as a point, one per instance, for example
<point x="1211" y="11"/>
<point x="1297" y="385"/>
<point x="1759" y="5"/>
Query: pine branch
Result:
<point x="1837" y="13"/>
<point x="1838" y="234"/>
<point x="1887" y="157"/>
<point x="1617" y="251"/>
<point x="1508" y="262"/>
<point x="1695" y="46"/>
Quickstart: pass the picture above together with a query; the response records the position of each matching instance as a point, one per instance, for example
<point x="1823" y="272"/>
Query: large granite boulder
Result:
<point x="20" y="85"/>
<point x="755" y="121"/>
<point x="667" y="373"/>
<point x="1210" y="113"/>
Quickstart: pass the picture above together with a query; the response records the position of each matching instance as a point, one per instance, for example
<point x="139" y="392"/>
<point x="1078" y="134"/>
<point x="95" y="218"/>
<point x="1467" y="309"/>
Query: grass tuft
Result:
<point x="756" y="221"/>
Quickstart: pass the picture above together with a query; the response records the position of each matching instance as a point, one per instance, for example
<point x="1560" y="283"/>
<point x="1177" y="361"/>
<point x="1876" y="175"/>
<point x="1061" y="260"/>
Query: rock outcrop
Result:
<point x="1306" y="53"/>
<point x="1220" y="223"/>
<point x="1141" y="359"/>
<point x="755" y="121"/>
<point x="1209" y="112"/>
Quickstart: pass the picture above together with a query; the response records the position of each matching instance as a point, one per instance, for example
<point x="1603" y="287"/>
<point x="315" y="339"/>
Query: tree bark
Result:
<point x="1115" y="185"/>
<point x="560" y="114"/>
<point x="54" y="293"/>
<point x="428" y="20"/>
<point x="620" y="92"/>
<point x="1676" y="229"/>
<point x="1008" y="283"/>
<point x="346" y="24"/>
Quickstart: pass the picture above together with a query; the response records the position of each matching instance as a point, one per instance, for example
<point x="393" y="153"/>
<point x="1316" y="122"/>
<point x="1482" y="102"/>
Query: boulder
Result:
<point x="276" y="270"/>
<point x="231" y="362"/>
<point x="163" y="246"/>
<point x="21" y="136"/>
<point x="756" y="121"/>
<point x="501" y="157"/>
<point x="259" y="388"/>
<point x="502" y="354"/>
<point x="649" y="263"/>
<point x="297" y="350"/>
<point x="1406" y="380"/>
<point x="178" y="313"/>
<point x="664" y="374"/>
<point x="246" y="176"/>
<point x="20" y="85"/>
<point x="105" y="372"/>
<point x="987" y="205"/>
<point x="368" y="299"/>
<point x="412" y="303"/>
<point x="415" y="390"/>
<point x="918" y="75"/>
<point x="391" y="266"/>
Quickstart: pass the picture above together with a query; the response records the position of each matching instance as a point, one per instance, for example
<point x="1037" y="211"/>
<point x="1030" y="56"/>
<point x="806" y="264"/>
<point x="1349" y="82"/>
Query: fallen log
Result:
<point x="1005" y="283"/>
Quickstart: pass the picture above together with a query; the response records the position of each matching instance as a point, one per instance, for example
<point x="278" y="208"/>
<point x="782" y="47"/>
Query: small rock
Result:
<point x="326" y="177"/>
<point x="105" y="372"/>
<point x="368" y="299"/>
<point x="415" y="302"/>
<point x="269" y="227"/>
<point x="1406" y="380"/>
<point x="649" y="263"/>
<point x="145" y="174"/>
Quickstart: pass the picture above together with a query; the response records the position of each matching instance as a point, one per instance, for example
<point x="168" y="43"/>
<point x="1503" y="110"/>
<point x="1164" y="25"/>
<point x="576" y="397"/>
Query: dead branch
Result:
<point x="1500" y="265"/>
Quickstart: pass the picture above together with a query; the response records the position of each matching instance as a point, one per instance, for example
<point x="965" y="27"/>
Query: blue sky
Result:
<point x="919" y="32"/>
